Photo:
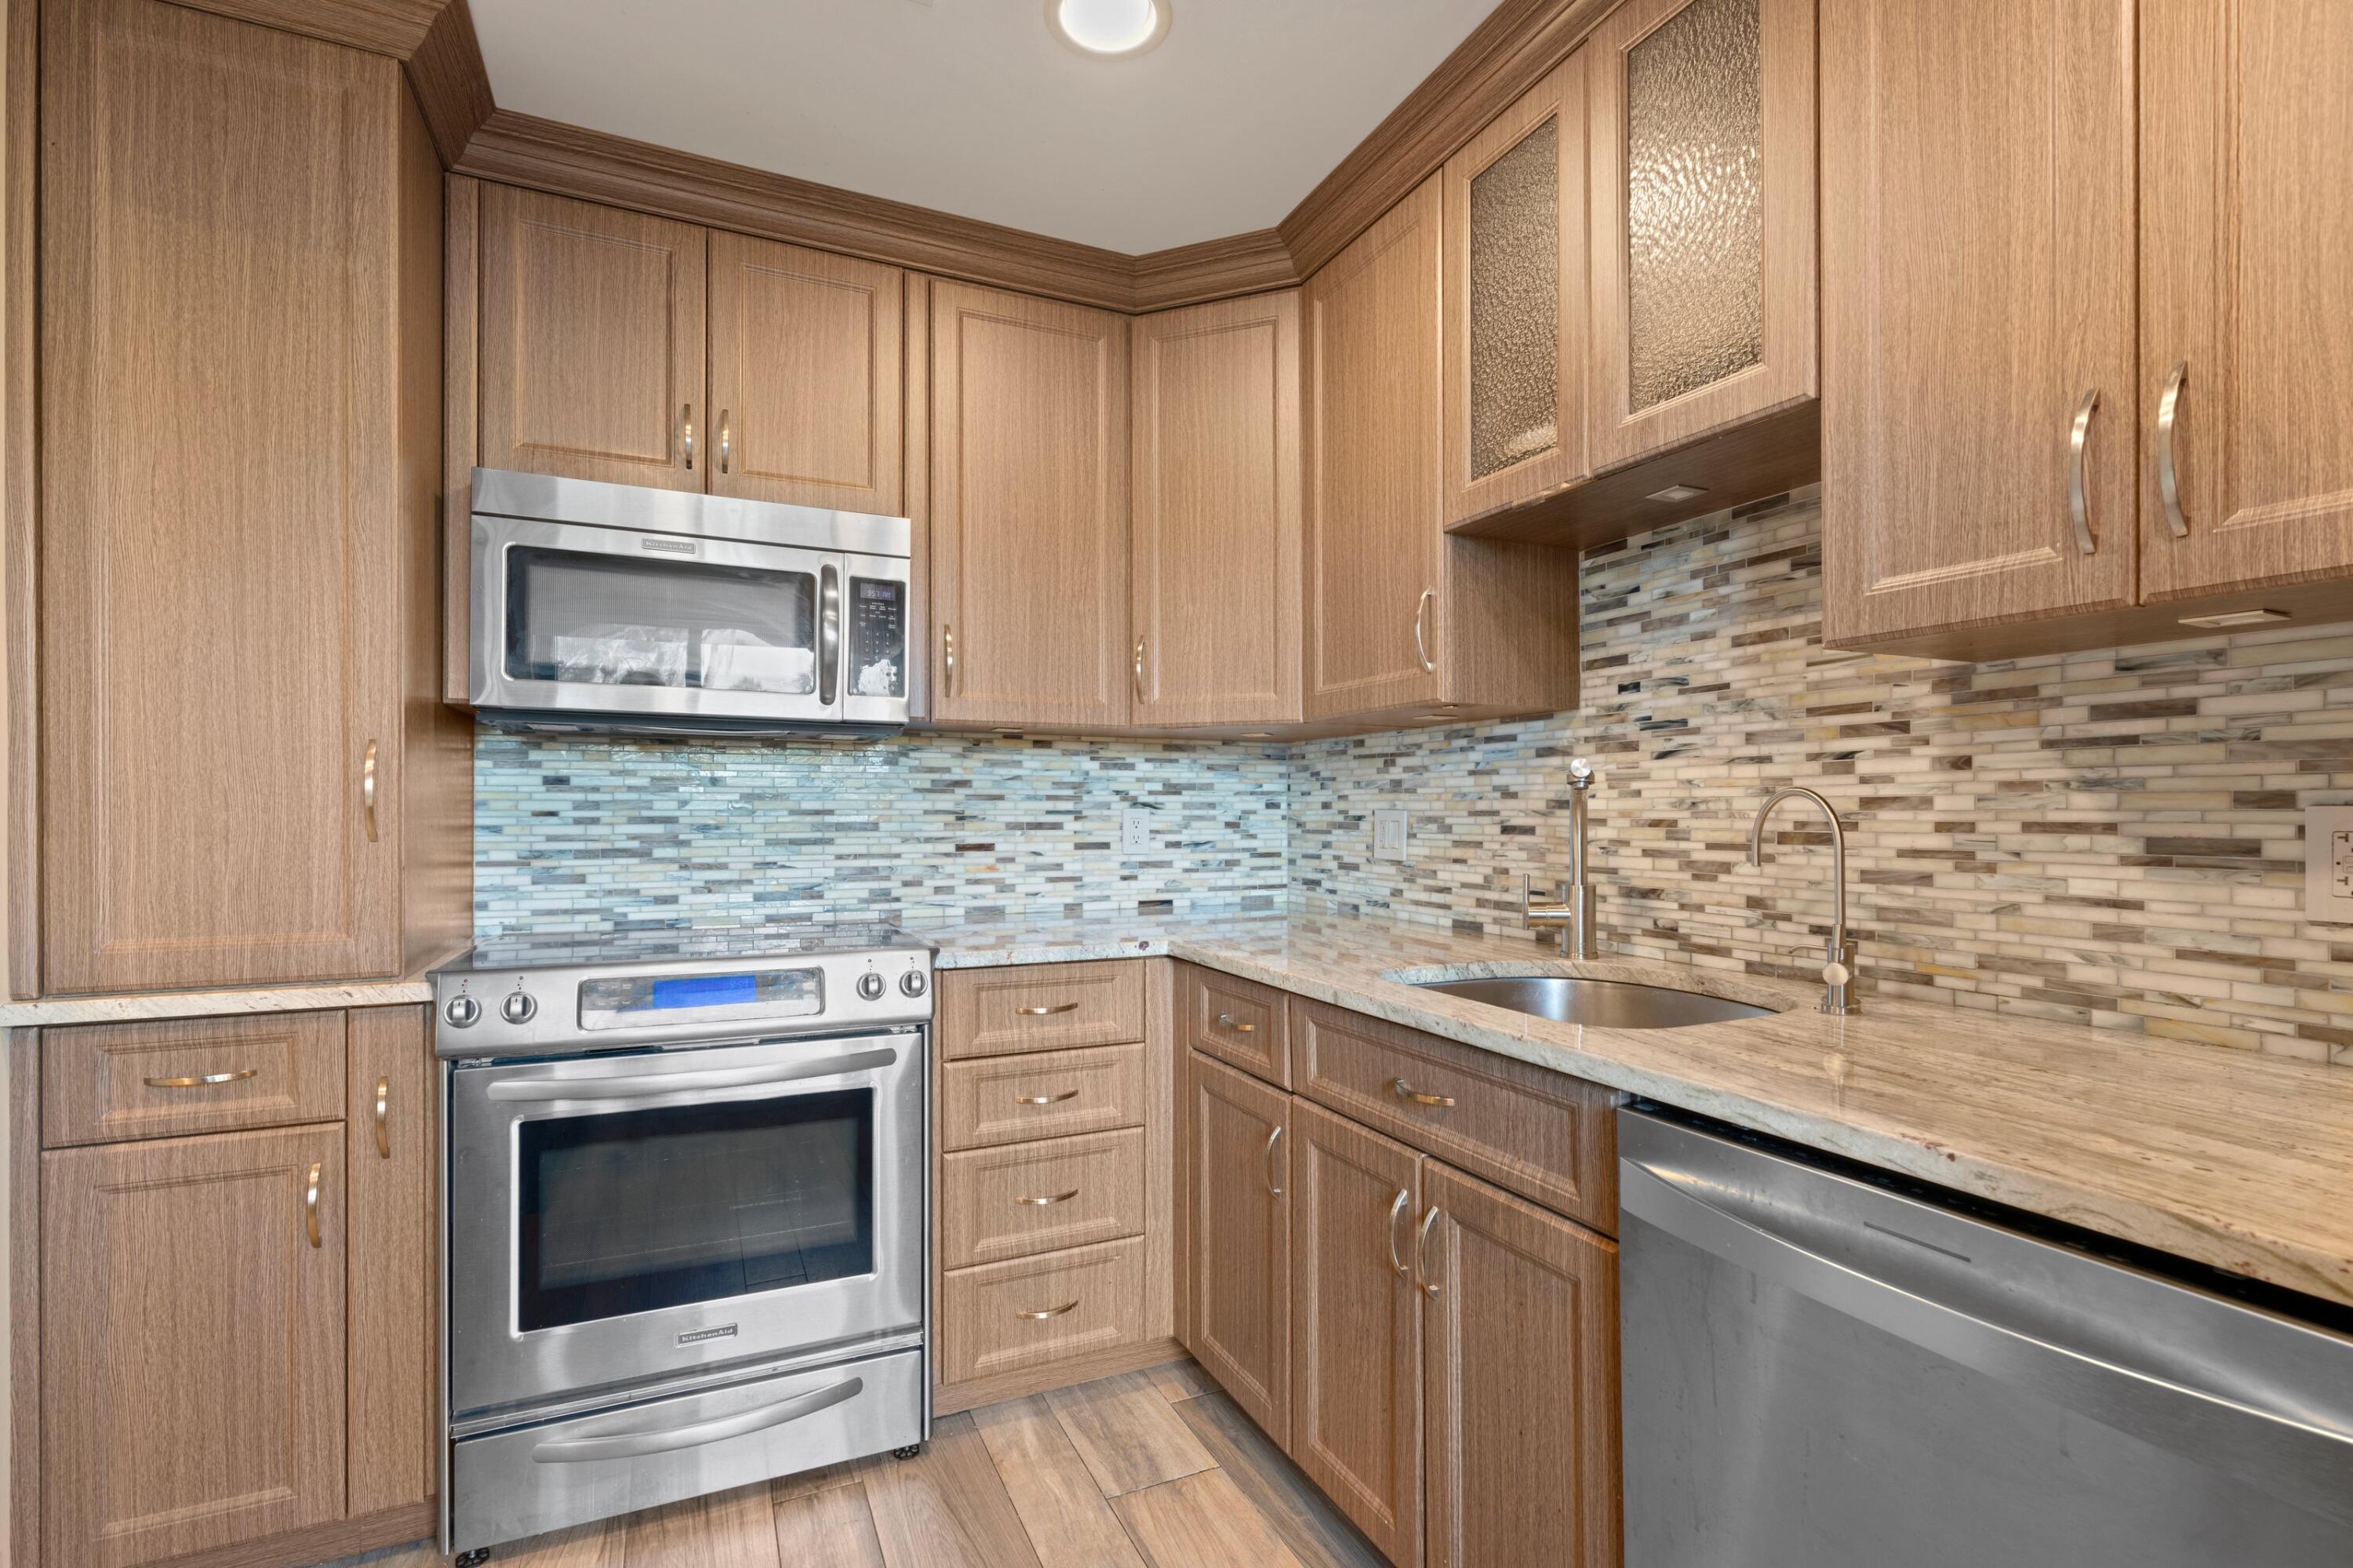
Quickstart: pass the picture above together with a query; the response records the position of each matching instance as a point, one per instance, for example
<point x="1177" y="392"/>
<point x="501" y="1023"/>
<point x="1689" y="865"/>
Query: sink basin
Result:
<point x="1604" y="1004"/>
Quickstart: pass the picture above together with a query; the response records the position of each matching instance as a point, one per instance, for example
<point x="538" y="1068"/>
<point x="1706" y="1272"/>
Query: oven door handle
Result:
<point x="668" y="1439"/>
<point x="652" y="1085"/>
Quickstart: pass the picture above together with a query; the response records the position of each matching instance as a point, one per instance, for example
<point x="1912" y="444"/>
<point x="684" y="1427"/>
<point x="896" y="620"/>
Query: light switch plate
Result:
<point x="2329" y="862"/>
<point x="1389" y="833"/>
<point x="1135" y="830"/>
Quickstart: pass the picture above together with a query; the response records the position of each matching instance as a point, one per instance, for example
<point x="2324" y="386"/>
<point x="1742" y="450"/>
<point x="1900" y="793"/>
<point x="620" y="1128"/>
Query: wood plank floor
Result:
<point x="1150" y="1470"/>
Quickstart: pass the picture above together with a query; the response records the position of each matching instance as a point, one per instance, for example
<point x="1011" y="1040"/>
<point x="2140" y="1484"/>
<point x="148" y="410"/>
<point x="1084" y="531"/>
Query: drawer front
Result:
<point x="1041" y="1007"/>
<point x="1239" y="1022"/>
<point x="997" y="1204"/>
<point x="107" y="1083"/>
<point x="1053" y="1094"/>
<point x="1543" y="1135"/>
<point x="1005" y="1316"/>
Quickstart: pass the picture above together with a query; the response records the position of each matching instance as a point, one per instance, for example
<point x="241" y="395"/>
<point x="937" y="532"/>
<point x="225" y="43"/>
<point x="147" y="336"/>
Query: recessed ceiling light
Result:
<point x="1106" y="28"/>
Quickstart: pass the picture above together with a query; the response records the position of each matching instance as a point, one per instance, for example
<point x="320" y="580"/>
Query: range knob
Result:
<point x="914" y="983"/>
<point x="518" y="1008"/>
<point x="870" y="986"/>
<point x="461" y="1011"/>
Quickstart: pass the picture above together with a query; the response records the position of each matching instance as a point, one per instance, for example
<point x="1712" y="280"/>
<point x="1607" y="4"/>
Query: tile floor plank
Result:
<point x="947" y="1508"/>
<point x="1127" y="1434"/>
<point x="1181" y="1380"/>
<point x="831" y="1527"/>
<point x="1303" y="1516"/>
<point x="733" y="1530"/>
<point x="596" y="1545"/>
<point x="1068" y="1521"/>
<point x="1199" y="1519"/>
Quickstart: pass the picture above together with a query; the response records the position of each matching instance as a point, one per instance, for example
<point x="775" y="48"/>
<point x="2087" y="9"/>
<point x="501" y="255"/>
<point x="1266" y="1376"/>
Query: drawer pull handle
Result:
<point x="1047" y="1011"/>
<point x="1049" y="1312"/>
<point x="1047" y="1202"/>
<point x="1406" y="1091"/>
<point x="1226" y="1021"/>
<point x="1045" y="1099"/>
<point x="311" y="1202"/>
<point x="1272" y="1139"/>
<point x="1421" y="1252"/>
<point x="203" y="1080"/>
<point x="383" y="1119"/>
<point x="1397" y="1207"/>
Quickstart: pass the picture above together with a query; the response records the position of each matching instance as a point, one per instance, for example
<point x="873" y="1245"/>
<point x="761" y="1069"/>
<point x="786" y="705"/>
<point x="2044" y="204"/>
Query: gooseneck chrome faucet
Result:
<point x="1838" y="971"/>
<point x="1572" y="912"/>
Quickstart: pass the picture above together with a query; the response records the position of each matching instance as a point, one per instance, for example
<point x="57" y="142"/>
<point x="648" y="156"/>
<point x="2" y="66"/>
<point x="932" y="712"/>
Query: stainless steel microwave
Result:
<point x="616" y="607"/>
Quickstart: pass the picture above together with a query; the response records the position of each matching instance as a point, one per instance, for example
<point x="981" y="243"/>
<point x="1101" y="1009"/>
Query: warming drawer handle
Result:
<point x="537" y="1091"/>
<point x="670" y="1439"/>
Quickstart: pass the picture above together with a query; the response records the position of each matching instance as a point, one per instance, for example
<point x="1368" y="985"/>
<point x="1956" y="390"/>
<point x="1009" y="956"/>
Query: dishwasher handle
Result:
<point x="2274" y="1450"/>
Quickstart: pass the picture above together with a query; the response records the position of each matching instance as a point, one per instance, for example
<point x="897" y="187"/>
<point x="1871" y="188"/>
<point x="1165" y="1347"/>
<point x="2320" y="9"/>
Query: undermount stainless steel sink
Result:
<point x="1603" y="1004"/>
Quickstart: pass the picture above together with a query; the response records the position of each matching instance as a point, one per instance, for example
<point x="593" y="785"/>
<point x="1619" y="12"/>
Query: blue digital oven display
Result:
<point x="704" y="991"/>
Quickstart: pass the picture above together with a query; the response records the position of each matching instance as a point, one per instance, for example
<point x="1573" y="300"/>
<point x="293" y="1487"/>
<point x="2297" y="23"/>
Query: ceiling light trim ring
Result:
<point x="1162" y="14"/>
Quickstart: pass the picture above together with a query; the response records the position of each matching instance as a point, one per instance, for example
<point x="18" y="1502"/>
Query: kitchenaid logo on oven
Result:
<point x="724" y="1331"/>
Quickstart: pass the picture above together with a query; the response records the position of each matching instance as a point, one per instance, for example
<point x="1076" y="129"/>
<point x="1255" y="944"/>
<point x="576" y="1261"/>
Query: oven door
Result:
<point x="568" y="618"/>
<point x="631" y="1217"/>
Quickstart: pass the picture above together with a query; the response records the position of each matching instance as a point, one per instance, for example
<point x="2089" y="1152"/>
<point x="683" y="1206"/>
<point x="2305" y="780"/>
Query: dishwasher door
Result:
<point x="1820" y="1372"/>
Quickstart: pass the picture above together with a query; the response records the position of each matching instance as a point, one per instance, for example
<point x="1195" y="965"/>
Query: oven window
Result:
<point x="643" y="1210"/>
<point x="613" y="620"/>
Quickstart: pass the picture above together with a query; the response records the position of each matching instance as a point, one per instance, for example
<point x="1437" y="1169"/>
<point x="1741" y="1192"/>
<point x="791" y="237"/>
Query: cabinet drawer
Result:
<point x="1540" y="1134"/>
<point x="107" y="1083"/>
<point x="1041" y="1006"/>
<point x="1239" y="1022"/>
<point x="997" y="1204"/>
<point x="1048" y="1095"/>
<point x="989" y="1322"/>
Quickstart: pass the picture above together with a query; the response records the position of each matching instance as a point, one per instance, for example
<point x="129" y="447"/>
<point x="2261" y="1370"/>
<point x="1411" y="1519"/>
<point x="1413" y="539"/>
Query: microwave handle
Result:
<point x="649" y="1086"/>
<point x="828" y="636"/>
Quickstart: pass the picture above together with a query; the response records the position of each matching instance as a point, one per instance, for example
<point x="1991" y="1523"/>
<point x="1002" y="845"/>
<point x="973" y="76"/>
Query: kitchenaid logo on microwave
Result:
<point x="673" y="546"/>
<point x="724" y="1331"/>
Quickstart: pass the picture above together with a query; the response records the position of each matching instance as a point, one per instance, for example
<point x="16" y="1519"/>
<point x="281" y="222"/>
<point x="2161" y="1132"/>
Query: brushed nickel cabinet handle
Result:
<point x="726" y="440"/>
<point x="1420" y="647"/>
<point x="201" y="1080"/>
<point x="367" y="790"/>
<point x="2168" y="477"/>
<point x="1226" y="1021"/>
<point x="1272" y="1139"/>
<point x="383" y="1122"/>
<point x="1138" y="685"/>
<point x="2079" y="505"/>
<point x="1047" y="1011"/>
<point x="1421" y="1252"/>
<point x="1046" y="1203"/>
<point x="1406" y="1091"/>
<point x="1049" y="1312"/>
<point x="686" y="428"/>
<point x="947" y="682"/>
<point x="311" y="1202"/>
<point x="1045" y="1099"/>
<point x="1397" y="1207"/>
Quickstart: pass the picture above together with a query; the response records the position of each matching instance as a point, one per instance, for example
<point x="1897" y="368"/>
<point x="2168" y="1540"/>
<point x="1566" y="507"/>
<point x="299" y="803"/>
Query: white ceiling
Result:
<point x="973" y="106"/>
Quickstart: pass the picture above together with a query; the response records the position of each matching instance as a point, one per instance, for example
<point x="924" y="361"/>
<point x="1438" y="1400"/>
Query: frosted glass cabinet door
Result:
<point x="1515" y="302"/>
<point x="1702" y="126"/>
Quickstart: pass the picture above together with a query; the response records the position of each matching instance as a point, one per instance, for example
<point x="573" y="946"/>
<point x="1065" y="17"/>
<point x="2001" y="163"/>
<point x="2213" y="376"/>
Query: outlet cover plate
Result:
<point x="1134" y="830"/>
<point x="2329" y="862"/>
<point x="1389" y="833"/>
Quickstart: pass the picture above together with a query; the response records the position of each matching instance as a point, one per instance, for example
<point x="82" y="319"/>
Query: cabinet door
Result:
<point x="806" y="382"/>
<point x="1521" y="1346"/>
<point x="192" y="1343"/>
<point x="1702" y="190"/>
<point x="592" y="343"/>
<point x="1238" y="1173"/>
<point x="1029" y="511"/>
<point x="221" y="509"/>
<point x="1976" y="285"/>
<point x="1215" y="574"/>
<point x="2246" y="224"/>
<point x="1516" y="293"/>
<point x="394" y="1286"/>
<point x="1374" y="414"/>
<point x="1356" y="1326"/>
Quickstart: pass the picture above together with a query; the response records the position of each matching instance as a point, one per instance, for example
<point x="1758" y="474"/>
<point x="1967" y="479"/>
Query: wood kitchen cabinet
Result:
<point x="1215" y="529"/>
<point x="1237" y="1162"/>
<point x="1029" y="507"/>
<point x="243" y="776"/>
<point x="1403" y="622"/>
<point x="391" y="1358"/>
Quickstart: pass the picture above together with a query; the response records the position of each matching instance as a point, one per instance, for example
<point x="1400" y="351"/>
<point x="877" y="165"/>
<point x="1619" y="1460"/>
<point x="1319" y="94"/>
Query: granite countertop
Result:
<point x="2241" y="1162"/>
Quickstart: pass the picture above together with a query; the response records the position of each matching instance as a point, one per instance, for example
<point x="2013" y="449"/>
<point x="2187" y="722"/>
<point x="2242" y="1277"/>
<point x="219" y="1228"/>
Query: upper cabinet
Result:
<point x="1214" y="530"/>
<point x="591" y="346"/>
<point x="1029" y="511"/>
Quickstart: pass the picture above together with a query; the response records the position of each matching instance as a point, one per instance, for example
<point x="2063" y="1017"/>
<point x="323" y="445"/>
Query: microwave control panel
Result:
<point x="877" y="638"/>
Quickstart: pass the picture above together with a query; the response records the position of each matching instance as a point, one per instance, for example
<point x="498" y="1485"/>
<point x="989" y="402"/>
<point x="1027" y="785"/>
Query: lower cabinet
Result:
<point x="1237" y="1165"/>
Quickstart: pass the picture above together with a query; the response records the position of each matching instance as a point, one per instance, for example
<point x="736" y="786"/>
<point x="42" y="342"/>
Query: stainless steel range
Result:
<point x="685" y="1216"/>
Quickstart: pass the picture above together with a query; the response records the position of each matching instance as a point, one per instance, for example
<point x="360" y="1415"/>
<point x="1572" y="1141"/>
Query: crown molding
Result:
<point x="1249" y="263"/>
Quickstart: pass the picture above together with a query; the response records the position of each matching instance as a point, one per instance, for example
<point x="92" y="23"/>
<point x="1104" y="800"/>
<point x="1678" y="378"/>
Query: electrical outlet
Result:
<point x="1135" y="830"/>
<point x="1389" y="833"/>
<point x="2329" y="862"/>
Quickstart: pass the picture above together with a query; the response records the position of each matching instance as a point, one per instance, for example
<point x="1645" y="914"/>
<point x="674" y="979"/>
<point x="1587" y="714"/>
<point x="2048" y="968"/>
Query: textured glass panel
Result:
<point x="1695" y="201"/>
<point x="1516" y="303"/>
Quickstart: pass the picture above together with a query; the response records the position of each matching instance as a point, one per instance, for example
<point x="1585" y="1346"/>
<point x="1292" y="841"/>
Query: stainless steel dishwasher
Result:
<point x="1822" y="1370"/>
